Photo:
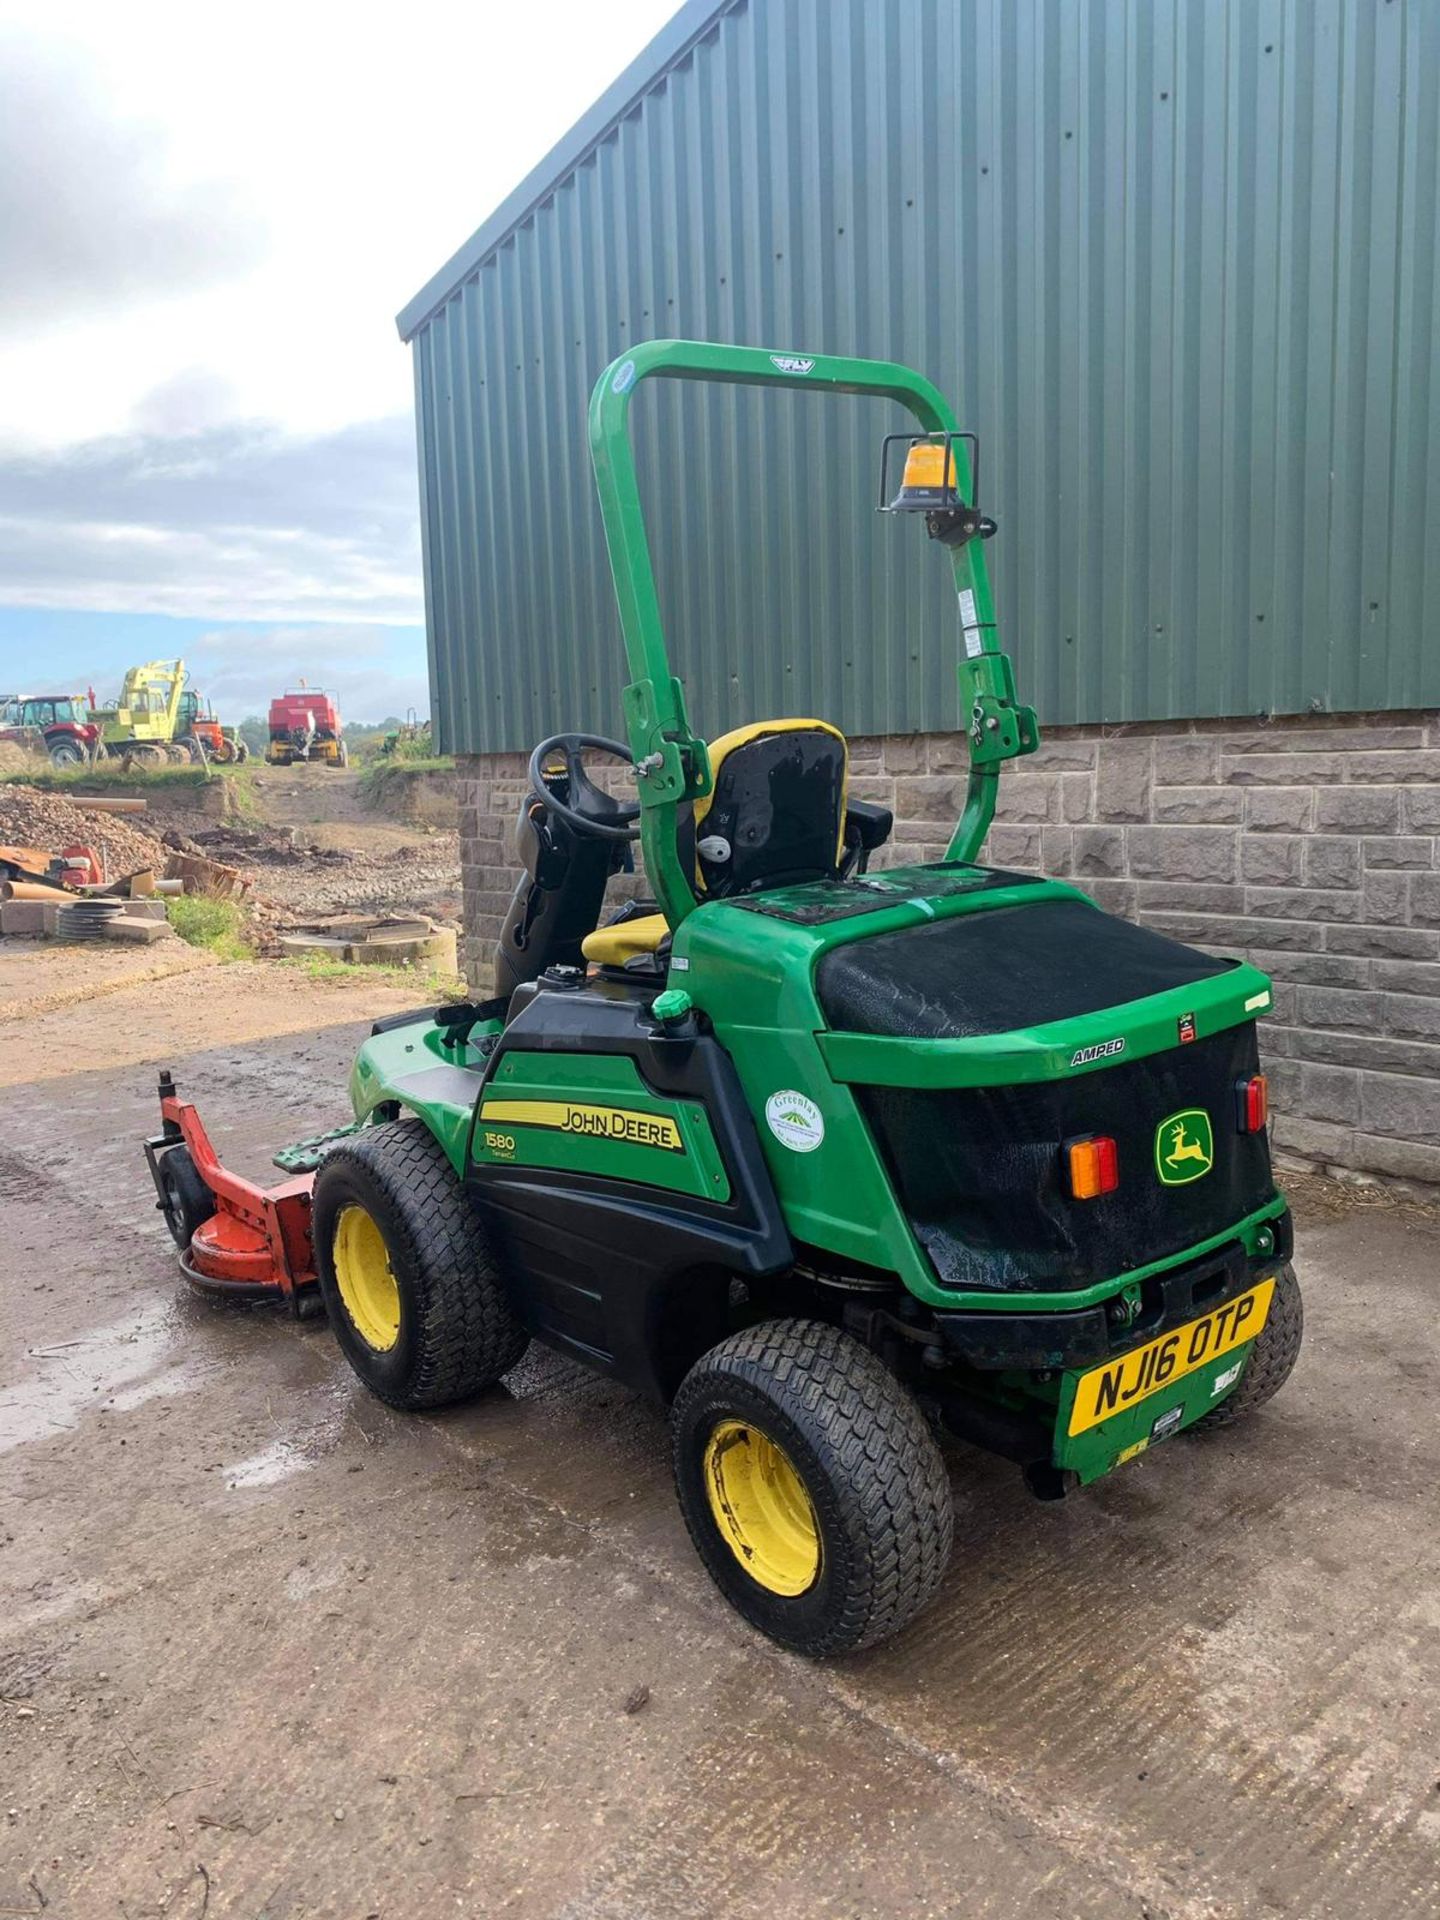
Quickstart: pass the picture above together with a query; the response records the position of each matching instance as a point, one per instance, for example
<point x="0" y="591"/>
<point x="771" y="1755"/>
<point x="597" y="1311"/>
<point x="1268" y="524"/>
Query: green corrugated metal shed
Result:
<point x="1176" y="260"/>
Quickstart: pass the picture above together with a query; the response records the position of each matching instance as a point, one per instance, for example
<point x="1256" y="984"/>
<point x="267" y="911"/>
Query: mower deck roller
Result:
<point x="817" y="1157"/>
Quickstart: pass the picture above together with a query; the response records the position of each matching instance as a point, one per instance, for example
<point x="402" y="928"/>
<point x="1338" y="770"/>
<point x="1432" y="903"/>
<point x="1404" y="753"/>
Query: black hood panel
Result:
<point x="999" y="969"/>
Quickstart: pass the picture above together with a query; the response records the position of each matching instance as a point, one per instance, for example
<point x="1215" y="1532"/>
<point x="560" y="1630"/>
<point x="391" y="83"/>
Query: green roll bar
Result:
<point x="672" y="765"/>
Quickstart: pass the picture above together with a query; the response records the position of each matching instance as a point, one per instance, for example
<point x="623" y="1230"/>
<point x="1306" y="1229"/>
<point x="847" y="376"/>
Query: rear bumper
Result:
<point x="996" y="1341"/>
<point x="1033" y="1368"/>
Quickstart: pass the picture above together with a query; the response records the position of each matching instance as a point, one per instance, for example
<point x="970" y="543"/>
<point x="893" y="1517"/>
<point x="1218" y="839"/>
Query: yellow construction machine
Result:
<point x="141" y="726"/>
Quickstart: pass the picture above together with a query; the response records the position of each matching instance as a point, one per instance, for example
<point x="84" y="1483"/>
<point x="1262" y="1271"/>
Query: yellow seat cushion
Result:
<point x="613" y="946"/>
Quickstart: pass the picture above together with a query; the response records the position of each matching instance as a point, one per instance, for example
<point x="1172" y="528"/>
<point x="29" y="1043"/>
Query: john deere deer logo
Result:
<point x="1184" y="1147"/>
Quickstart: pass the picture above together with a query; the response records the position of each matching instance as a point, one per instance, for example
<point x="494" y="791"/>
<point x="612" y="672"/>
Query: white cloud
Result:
<point x="319" y="645"/>
<point x="361" y="143"/>
<point x="240" y="670"/>
<point x="90" y="218"/>
<point x="233" y="522"/>
<point x="208" y="220"/>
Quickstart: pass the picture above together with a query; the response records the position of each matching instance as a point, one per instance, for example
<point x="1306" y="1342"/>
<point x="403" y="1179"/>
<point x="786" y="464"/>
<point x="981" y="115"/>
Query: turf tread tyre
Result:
<point x="871" y="1466"/>
<point x="1277" y="1348"/>
<point x="458" y="1335"/>
<point x="187" y="1202"/>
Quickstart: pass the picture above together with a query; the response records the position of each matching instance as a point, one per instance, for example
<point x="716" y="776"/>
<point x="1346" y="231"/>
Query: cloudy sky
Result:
<point x="209" y="217"/>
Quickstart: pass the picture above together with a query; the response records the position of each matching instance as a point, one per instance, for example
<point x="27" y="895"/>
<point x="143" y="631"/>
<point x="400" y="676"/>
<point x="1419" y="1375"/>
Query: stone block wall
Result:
<point x="1309" y="845"/>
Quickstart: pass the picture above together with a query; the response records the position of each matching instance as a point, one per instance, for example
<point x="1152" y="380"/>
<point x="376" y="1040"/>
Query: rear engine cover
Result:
<point x="980" y="1170"/>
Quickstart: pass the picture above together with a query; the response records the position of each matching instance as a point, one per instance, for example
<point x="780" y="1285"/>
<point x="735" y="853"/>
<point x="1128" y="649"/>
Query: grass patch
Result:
<point x="76" y="783"/>
<point x="429" y="984"/>
<point x="107" y="774"/>
<point x="217" y="925"/>
<point x="384" y="778"/>
<point x="242" y="796"/>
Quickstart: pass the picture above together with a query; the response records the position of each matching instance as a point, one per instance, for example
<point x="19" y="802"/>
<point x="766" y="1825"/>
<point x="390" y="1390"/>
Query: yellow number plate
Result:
<point x="1116" y="1386"/>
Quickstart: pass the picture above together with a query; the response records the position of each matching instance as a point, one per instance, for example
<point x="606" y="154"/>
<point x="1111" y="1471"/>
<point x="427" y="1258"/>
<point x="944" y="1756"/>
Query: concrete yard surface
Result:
<point x="269" y="1649"/>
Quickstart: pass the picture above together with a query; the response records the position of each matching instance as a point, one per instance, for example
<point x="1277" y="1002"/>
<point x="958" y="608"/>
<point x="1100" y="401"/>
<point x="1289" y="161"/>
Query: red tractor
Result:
<point x="305" y="725"/>
<point x="198" y="729"/>
<point x="58" y="723"/>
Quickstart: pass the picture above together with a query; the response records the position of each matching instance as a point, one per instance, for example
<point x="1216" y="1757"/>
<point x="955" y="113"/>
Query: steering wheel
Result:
<point x="608" y="820"/>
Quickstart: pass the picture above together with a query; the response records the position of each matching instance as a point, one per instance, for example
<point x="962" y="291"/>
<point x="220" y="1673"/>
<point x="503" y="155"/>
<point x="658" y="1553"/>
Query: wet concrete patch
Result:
<point x="112" y="1368"/>
<point x="354" y="1663"/>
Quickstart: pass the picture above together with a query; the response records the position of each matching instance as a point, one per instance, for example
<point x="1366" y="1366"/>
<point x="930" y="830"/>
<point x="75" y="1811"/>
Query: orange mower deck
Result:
<point x="235" y="1237"/>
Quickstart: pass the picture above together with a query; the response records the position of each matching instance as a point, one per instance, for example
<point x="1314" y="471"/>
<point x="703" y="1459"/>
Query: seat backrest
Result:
<point x="775" y="814"/>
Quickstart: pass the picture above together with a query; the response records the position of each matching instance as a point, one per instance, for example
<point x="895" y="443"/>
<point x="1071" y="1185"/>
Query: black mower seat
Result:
<point x="774" y="815"/>
<point x="1003" y="968"/>
<point x="775" y="812"/>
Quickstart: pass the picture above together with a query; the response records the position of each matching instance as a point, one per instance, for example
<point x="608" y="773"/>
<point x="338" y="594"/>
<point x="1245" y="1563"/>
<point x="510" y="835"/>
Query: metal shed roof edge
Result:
<point x="675" y="39"/>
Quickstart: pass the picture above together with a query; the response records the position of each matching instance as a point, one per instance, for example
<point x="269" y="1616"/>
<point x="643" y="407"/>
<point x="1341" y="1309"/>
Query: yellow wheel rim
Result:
<point x="363" y="1274"/>
<point x="761" y="1507"/>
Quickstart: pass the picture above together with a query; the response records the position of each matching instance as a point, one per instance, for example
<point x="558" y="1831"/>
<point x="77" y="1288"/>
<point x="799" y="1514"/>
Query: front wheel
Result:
<point x="1272" y="1356"/>
<point x="811" y="1485"/>
<point x="185" y="1200"/>
<point x="406" y="1270"/>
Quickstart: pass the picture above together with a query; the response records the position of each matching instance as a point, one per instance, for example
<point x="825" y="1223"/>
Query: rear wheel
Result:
<point x="406" y="1271"/>
<point x="811" y="1485"/>
<point x="66" y="753"/>
<point x="1273" y="1354"/>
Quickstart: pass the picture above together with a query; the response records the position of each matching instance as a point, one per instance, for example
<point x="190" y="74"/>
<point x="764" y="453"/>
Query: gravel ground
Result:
<point x="329" y="857"/>
<point x="318" y="850"/>
<point x="292" y="881"/>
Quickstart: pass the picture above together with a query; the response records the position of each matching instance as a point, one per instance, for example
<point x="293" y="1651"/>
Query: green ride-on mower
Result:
<point x="824" y="1159"/>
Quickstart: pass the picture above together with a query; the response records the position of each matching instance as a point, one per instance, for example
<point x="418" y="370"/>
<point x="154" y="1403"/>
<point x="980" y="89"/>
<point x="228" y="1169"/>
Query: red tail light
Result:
<point x="1093" y="1166"/>
<point x="1252" y="1104"/>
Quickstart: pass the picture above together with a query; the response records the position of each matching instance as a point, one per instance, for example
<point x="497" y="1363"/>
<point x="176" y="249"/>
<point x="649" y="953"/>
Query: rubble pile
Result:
<point x="30" y="818"/>
<point x="290" y="882"/>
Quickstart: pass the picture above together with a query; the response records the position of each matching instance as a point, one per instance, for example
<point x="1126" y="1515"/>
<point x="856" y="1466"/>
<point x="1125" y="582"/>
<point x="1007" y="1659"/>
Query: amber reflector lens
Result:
<point x="1094" y="1167"/>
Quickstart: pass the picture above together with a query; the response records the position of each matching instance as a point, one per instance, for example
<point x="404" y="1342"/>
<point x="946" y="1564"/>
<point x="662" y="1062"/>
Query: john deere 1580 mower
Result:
<point x="825" y="1159"/>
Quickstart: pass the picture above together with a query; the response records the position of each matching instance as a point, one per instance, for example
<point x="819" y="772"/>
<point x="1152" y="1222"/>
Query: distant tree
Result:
<point x="255" y="733"/>
<point x="365" y="740"/>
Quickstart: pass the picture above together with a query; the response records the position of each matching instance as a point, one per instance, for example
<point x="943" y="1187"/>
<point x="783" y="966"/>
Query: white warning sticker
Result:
<point x="970" y="623"/>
